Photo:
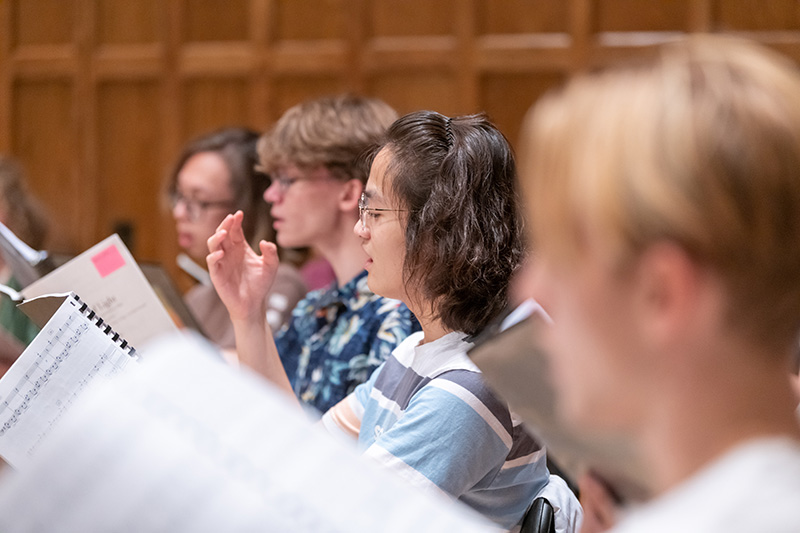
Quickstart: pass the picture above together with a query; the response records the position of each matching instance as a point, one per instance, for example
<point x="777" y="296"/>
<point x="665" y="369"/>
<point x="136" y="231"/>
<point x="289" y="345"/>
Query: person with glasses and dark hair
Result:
<point x="440" y="230"/>
<point x="215" y="175"/>
<point x="337" y="335"/>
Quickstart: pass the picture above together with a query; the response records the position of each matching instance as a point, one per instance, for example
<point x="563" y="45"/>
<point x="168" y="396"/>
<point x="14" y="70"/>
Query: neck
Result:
<point x="342" y="249"/>
<point x="432" y="328"/>
<point x="710" y="412"/>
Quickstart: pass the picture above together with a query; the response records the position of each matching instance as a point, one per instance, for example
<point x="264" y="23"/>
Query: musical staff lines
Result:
<point x="72" y="351"/>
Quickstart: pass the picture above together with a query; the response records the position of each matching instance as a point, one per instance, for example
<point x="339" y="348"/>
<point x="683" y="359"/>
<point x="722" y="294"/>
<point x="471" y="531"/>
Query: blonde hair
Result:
<point x="699" y="146"/>
<point x="332" y="131"/>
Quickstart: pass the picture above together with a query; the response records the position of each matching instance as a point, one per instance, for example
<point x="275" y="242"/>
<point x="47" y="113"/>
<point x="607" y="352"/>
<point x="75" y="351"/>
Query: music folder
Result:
<point x="515" y="366"/>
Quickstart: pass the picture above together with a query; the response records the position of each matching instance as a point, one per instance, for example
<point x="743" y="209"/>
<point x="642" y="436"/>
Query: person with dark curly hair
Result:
<point x="439" y="223"/>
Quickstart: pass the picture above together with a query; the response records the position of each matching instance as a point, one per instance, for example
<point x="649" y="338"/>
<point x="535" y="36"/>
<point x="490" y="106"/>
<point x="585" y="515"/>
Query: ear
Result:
<point x="675" y="295"/>
<point x="350" y="194"/>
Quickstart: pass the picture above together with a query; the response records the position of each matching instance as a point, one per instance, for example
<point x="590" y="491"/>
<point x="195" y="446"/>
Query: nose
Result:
<point x="360" y="230"/>
<point x="179" y="211"/>
<point x="273" y="192"/>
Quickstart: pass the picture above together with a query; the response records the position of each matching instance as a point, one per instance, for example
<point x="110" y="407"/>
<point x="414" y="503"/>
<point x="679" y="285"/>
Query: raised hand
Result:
<point x="241" y="277"/>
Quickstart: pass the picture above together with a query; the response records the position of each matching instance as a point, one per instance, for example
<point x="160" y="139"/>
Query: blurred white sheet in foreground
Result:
<point x="186" y="443"/>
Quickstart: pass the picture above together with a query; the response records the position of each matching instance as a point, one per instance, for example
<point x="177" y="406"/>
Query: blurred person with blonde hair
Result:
<point x="664" y="201"/>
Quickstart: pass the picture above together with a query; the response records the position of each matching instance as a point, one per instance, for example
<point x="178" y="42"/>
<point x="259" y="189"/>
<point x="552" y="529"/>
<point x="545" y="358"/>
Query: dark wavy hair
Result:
<point x="237" y="147"/>
<point x="455" y="179"/>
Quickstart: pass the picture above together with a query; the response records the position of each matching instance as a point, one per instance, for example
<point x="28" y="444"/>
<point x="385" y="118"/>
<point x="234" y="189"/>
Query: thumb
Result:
<point x="268" y="249"/>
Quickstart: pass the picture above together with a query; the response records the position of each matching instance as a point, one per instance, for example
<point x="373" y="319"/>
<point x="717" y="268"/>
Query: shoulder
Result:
<point x="445" y="368"/>
<point x="312" y="300"/>
<point x="468" y="389"/>
<point x="289" y="285"/>
<point x="203" y="300"/>
<point x="200" y="292"/>
<point x="735" y="489"/>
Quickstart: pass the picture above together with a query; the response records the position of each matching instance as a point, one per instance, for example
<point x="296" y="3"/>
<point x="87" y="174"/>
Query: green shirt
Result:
<point x="15" y="321"/>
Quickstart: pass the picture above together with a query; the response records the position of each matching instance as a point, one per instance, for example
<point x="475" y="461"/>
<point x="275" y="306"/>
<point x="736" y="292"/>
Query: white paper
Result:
<point x="187" y="443"/>
<point x="53" y="371"/>
<point x="108" y="279"/>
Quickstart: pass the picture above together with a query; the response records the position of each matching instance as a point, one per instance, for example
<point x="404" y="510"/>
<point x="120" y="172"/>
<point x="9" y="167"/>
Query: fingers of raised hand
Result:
<point x="269" y="251"/>
<point x="215" y="242"/>
<point x="235" y="227"/>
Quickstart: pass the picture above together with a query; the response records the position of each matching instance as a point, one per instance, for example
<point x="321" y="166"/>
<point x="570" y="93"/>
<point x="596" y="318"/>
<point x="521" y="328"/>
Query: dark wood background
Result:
<point x="97" y="96"/>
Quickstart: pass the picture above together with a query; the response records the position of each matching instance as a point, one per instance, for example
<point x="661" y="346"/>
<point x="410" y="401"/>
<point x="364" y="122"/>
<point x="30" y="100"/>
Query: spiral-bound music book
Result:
<point x="74" y="349"/>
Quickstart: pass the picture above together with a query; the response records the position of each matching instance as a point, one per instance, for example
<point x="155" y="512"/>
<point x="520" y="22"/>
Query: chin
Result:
<point x="285" y="241"/>
<point x="199" y="258"/>
<point x="375" y="286"/>
<point x="384" y="291"/>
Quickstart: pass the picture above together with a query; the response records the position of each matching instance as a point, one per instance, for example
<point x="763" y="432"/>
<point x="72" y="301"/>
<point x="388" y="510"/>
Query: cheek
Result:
<point x="399" y="250"/>
<point x="312" y="208"/>
<point x="596" y="360"/>
<point x="578" y="370"/>
<point x="207" y="228"/>
<point x="573" y="342"/>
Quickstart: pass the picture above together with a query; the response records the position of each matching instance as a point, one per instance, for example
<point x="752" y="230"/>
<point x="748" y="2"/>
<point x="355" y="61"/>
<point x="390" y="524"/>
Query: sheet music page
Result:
<point x="108" y="279"/>
<point x="189" y="444"/>
<point x="68" y="354"/>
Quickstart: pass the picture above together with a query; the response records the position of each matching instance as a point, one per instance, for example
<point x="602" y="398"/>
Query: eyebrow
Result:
<point x="372" y="194"/>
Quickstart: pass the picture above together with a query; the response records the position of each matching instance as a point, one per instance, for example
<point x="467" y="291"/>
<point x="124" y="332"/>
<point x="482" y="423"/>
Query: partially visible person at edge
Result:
<point x="24" y="216"/>
<point x="664" y="202"/>
<point x="337" y="336"/>
<point x="441" y="230"/>
<point x="214" y="175"/>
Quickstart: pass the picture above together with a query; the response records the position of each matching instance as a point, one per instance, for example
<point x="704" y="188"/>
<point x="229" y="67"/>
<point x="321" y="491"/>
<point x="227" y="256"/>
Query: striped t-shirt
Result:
<point x="427" y="414"/>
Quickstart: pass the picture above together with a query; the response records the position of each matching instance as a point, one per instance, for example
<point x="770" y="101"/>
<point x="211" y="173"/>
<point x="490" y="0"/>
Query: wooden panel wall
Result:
<point x="97" y="96"/>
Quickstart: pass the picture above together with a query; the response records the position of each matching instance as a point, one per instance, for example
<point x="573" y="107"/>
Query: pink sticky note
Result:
<point x="108" y="261"/>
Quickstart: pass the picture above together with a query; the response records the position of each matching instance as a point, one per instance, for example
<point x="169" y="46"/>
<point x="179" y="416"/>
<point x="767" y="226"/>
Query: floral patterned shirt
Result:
<point x="337" y="337"/>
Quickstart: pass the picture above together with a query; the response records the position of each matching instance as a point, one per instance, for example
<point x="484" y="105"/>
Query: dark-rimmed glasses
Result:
<point x="196" y="208"/>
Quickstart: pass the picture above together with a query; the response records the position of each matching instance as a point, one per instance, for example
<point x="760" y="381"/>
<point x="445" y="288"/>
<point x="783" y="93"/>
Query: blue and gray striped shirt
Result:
<point x="428" y="414"/>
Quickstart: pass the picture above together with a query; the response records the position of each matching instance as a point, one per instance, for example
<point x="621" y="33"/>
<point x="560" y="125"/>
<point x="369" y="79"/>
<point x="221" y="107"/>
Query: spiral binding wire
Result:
<point x="105" y="328"/>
